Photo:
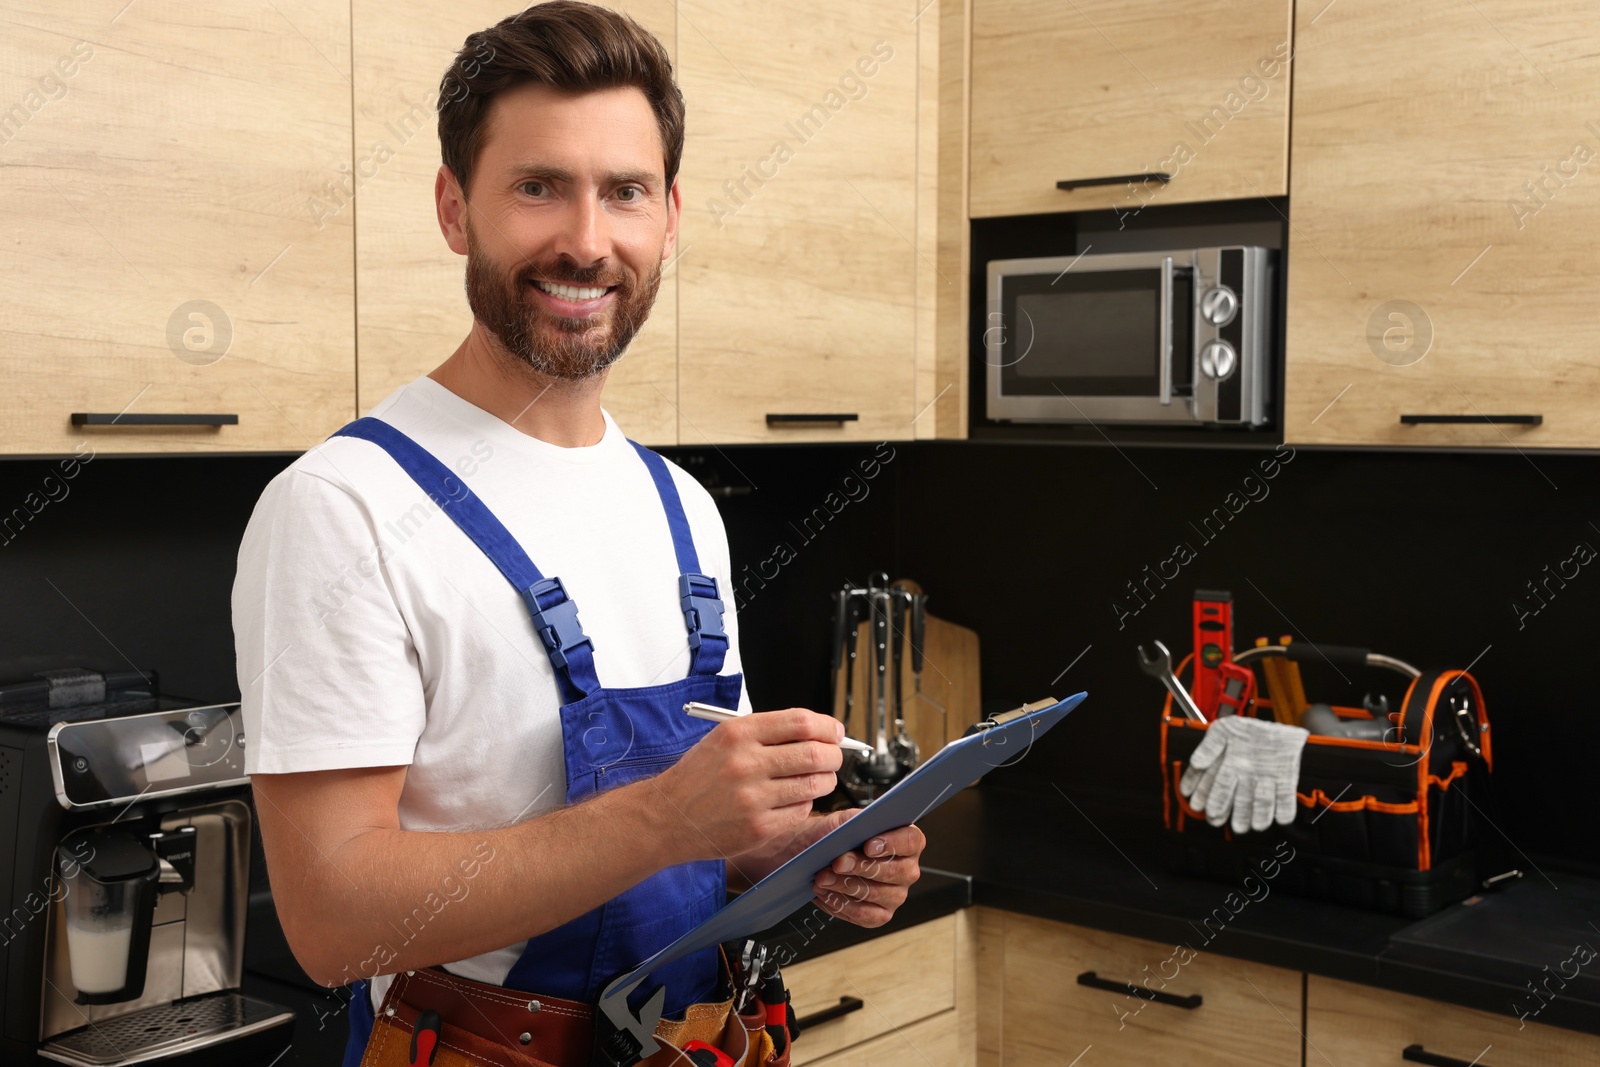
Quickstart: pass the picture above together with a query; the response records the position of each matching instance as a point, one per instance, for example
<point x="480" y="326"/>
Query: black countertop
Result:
<point x="1045" y="856"/>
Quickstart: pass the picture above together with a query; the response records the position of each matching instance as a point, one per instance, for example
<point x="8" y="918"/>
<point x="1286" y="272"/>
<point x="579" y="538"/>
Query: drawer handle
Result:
<point x="845" y="1006"/>
<point x="1188" y="1003"/>
<point x="1418" y="1054"/>
<point x="105" y="418"/>
<point x="792" y="420"/>
<point x="1115" y="179"/>
<point x="1508" y="420"/>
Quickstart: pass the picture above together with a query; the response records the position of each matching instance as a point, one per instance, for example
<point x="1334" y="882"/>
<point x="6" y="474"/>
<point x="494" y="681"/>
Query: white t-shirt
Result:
<point x="371" y="631"/>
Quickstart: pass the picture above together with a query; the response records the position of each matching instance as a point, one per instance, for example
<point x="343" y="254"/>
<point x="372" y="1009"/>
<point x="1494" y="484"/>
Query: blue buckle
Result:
<point x="556" y="625"/>
<point x="702" y="608"/>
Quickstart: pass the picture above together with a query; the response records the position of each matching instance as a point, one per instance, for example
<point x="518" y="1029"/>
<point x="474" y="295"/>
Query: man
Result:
<point x="467" y="624"/>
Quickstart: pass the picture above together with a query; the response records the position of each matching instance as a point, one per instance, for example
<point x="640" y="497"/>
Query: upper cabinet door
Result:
<point x="1446" y="202"/>
<point x="411" y="305"/>
<point x="163" y="251"/>
<point x="1113" y="89"/>
<point x="798" y="251"/>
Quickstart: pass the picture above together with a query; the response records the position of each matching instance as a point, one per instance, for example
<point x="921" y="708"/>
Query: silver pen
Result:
<point x="712" y="713"/>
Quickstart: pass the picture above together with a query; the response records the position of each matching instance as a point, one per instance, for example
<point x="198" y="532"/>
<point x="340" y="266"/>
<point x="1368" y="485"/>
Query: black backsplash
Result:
<point x="128" y="564"/>
<point x="1424" y="557"/>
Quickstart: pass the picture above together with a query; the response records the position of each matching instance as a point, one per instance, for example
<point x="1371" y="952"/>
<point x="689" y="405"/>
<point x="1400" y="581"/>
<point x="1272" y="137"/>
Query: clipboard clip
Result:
<point x="991" y="721"/>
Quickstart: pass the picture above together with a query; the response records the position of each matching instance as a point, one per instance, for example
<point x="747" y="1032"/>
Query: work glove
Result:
<point x="1246" y="768"/>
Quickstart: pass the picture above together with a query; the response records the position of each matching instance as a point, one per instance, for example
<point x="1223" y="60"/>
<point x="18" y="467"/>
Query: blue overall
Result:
<point x="610" y="737"/>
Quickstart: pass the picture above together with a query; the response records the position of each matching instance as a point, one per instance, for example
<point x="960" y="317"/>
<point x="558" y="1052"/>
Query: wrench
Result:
<point x="1161" y="667"/>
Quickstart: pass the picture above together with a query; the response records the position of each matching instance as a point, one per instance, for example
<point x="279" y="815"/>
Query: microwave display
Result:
<point x="1140" y="337"/>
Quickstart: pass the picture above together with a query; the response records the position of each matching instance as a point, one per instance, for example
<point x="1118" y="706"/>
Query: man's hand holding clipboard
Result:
<point x="996" y="742"/>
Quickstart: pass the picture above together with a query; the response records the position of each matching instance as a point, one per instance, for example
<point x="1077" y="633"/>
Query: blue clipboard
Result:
<point x="788" y="889"/>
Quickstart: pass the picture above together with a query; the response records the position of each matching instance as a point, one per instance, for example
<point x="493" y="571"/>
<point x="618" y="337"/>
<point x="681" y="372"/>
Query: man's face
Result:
<point x="568" y="222"/>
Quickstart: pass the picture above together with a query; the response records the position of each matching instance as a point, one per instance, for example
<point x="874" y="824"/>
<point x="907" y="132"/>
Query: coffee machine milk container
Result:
<point x="122" y="935"/>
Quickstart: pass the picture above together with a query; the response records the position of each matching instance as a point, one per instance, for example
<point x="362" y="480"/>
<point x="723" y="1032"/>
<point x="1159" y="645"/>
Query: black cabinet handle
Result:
<point x="790" y="420"/>
<point x="845" y="1006"/>
<point x="1115" y="179"/>
<point x="1509" y="420"/>
<point x="1188" y="1003"/>
<point x="106" y="418"/>
<point x="1418" y="1054"/>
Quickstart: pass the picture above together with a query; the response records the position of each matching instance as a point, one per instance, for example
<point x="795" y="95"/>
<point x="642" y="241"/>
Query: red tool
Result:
<point x="1213" y="648"/>
<point x="775" y="1000"/>
<point x="703" y="1055"/>
<point x="1238" y="689"/>
<point x="425" y="1038"/>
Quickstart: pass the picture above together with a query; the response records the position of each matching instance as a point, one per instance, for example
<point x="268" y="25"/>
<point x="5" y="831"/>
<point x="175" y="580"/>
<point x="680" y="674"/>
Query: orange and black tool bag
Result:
<point x="1388" y="825"/>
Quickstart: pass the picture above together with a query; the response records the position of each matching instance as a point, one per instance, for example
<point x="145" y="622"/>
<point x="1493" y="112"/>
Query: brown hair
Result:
<point x="570" y="46"/>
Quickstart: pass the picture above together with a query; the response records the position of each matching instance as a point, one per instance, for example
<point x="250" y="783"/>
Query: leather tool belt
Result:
<point x="430" y="1017"/>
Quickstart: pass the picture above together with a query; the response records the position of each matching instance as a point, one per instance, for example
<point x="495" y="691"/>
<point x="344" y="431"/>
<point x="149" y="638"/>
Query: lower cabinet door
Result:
<point x="897" y="979"/>
<point x="1064" y="994"/>
<point x="932" y="1042"/>
<point x="1348" y="1023"/>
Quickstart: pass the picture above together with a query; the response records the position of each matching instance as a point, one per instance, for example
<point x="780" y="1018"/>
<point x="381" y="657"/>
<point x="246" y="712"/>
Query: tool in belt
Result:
<point x="610" y="737"/>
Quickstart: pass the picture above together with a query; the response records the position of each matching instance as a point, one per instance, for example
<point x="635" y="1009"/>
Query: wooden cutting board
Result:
<point x="949" y="678"/>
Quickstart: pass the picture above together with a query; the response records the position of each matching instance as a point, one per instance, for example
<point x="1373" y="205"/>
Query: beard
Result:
<point x="557" y="347"/>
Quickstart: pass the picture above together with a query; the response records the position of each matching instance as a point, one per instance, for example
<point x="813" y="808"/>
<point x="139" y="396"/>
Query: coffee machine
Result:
<point x="127" y="816"/>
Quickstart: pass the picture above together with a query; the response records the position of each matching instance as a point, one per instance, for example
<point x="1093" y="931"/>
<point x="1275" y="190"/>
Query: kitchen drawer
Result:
<point x="930" y="1043"/>
<point x="1248" y="1014"/>
<point x="901" y="977"/>
<point x="1348" y="1023"/>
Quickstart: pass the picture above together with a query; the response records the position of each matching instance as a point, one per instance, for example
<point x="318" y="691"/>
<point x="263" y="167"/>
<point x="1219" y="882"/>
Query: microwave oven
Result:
<point x="1132" y="337"/>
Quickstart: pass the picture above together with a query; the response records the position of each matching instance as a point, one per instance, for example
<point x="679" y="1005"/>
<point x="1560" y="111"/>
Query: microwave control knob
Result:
<point x="1219" y="305"/>
<point x="1218" y="360"/>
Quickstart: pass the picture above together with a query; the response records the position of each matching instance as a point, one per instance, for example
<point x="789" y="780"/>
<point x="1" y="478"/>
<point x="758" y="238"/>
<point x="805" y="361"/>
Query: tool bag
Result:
<point x="1385" y="825"/>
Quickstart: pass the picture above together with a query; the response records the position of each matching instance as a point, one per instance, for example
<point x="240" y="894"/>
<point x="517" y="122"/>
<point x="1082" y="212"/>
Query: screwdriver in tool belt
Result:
<point x="712" y="713"/>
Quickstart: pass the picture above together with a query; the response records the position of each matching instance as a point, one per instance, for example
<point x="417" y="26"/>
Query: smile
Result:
<point x="572" y="292"/>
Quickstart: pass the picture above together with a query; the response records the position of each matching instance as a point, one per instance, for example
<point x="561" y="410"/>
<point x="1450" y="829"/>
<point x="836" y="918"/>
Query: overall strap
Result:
<point x="555" y="616"/>
<point x="702" y="607"/>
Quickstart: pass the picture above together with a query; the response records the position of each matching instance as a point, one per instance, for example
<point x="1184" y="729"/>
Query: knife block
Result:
<point x="949" y="676"/>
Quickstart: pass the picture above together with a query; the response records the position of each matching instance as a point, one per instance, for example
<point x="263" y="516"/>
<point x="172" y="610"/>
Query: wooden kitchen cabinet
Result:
<point x="411" y="308"/>
<point x="901" y="978"/>
<point x="251" y="232"/>
<point x="160" y="161"/>
<point x="933" y="1042"/>
<point x="1033" y="1010"/>
<point x="1445" y="201"/>
<point x="1106" y="88"/>
<point x="1348" y="1023"/>
<point x="800" y="249"/>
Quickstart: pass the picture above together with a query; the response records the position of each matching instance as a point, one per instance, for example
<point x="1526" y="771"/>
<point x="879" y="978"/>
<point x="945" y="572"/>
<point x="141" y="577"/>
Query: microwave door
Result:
<point x="1092" y="339"/>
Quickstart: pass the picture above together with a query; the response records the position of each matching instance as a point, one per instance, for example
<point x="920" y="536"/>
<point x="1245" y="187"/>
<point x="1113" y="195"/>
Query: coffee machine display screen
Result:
<point x="164" y="762"/>
<point x="113" y="761"/>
